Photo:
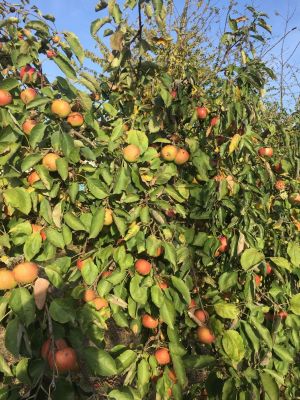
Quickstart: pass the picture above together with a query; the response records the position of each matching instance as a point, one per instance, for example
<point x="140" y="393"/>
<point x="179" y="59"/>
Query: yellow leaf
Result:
<point x="235" y="140"/>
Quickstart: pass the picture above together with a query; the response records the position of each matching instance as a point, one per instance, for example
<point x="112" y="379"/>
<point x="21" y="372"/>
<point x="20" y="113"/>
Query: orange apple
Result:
<point x="28" y="95"/>
<point x="28" y="125"/>
<point x="5" y="97"/>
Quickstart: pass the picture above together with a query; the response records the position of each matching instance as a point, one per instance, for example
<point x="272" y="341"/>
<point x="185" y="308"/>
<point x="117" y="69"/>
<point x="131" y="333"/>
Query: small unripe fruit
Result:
<point x="282" y="314"/>
<point x="201" y="112"/>
<point x="80" y="263"/>
<point x="268" y="268"/>
<point x="33" y="177"/>
<point x="278" y="167"/>
<point x="108" y="217"/>
<point x="169" y="152"/>
<point x="295" y="199"/>
<point x="5" y="98"/>
<point x="28" y="95"/>
<point x="61" y="108"/>
<point x="89" y="295"/>
<point x="75" y="119"/>
<point x="257" y="279"/>
<point x="49" y="161"/>
<point x="162" y="356"/>
<point x="28" y="125"/>
<point x="106" y="274"/>
<point x="202" y="315"/>
<point x="265" y="152"/>
<point x="182" y="157"/>
<point x="99" y="303"/>
<point x="143" y="267"/>
<point x="64" y="360"/>
<point x="7" y="280"/>
<point x="192" y="304"/>
<point x="149" y="322"/>
<point x="172" y="376"/>
<point x="205" y="335"/>
<point x="131" y="153"/>
<point x="173" y="94"/>
<point x="26" y="272"/>
<point x="280" y="185"/>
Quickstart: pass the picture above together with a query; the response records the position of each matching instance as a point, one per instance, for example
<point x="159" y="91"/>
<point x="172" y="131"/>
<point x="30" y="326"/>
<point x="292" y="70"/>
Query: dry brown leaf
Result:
<point x="40" y="292"/>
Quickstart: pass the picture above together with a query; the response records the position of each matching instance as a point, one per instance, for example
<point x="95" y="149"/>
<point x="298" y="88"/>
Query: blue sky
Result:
<point x="77" y="18"/>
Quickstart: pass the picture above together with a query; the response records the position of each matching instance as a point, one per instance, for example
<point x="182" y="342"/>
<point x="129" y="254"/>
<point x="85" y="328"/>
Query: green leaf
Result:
<point x="110" y="109"/>
<point x="143" y="377"/>
<point x="18" y="198"/>
<point x="182" y="288"/>
<point x="38" y="102"/>
<point x="37" y="134"/>
<point x="125" y="359"/>
<point x="202" y="361"/>
<point x="62" y="168"/>
<point x="73" y="222"/>
<point x="13" y="336"/>
<point x="30" y="161"/>
<point x="100" y="362"/>
<point x="22" y="371"/>
<point x="39" y="26"/>
<point x="97" y="222"/>
<point x="124" y="394"/>
<point x="227" y="310"/>
<point x="75" y="45"/>
<point x="170" y="253"/>
<point x="179" y="369"/>
<point x="62" y="310"/>
<point x="89" y="272"/>
<point x="4" y="367"/>
<point x="293" y="251"/>
<point x="9" y="84"/>
<point x="97" y="24"/>
<point x="227" y="280"/>
<point x="233" y="346"/>
<point x="250" y="258"/>
<point x="97" y="188"/>
<point x="263" y="332"/>
<point x="55" y="237"/>
<point x="122" y="180"/>
<point x="32" y="245"/>
<point x="270" y="386"/>
<point x="281" y="262"/>
<point x="138" y="292"/>
<point x="295" y="304"/>
<point x="167" y="312"/>
<point x="138" y="138"/>
<point x="22" y="304"/>
<point x="65" y="66"/>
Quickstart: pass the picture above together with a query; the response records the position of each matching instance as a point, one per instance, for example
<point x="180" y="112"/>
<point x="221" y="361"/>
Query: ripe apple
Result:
<point x="257" y="279"/>
<point x="282" y="314"/>
<point x="59" y="344"/>
<point x="277" y="167"/>
<point x="201" y="112"/>
<point x="75" y="119"/>
<point x="51" y="53"/>
<point x="28" y="95"/>
<point x="169" y="152"/>
<point x="99" y="303"/>
<point x="171" y="213"/>
<point x="214" y="121"/>
<point x="5" y="97"/>
<point x="181" y="157"/>
<point x="162" y="356"/>
<point x="39" y="228"/>
<point x="108" y="217"/>
<point x="7" y="280"/>
<point x="56" y="39"/>
<point x="294" y="199"/>
<point x="79" y="264"/>
<point x="268" y="268"/>
<point x="205" y="335"/>
<point x="49" y="161"/>
<point x="131" y="153"/>
<point x="202" y="315"/>
<point x="172" y="376"/>
<point x="29" y="71"/>
<point x="265" y="151"/>
<point x="89" y="295"/>
<point x="163" y="285"/>
<point x="106" y="274"/>
<point x="280" y="185"/>
<point x="143" y="267"/>
<point x="149" y="322"/>
<point x="28" y="125"/>
<point x="220" y="139"/>
<point x="25" y="272"/>
<point x="174" y="94"/>
<point x="33" y="177"/>
<point x="64" y="360"/>
<point x="61" y="108"/>
<point x="223" y="245"/>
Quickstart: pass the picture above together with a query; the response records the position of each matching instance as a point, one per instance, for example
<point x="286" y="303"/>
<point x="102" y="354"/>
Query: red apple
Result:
<point x="265" y="151"/>
<point x="201" y="112"/>
<point x="5" y="97"/>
